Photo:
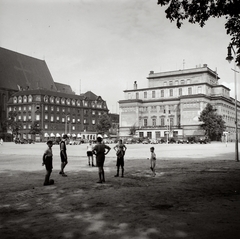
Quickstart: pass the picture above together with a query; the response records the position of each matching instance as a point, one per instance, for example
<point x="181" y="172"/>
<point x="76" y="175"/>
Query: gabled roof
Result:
<point x="63" y="88"/>
<point x="18" y="71"/>
<point x="90" y="95"/>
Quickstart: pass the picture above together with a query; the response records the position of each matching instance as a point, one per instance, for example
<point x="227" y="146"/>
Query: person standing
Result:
<point x="47" y="161"/>
<point x="90" y="153"/>
<point x="120" y="148"/>
<point x="100" y="150"/>
<point x="152" y="160"/>
<point x="63" y="154"/>
<point x="1" y="141"/>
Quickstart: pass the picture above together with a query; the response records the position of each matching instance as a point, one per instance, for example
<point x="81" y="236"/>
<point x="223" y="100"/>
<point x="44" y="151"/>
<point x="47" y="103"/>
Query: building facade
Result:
<point x="171" y="104"/>
<point x="57" y="113"/>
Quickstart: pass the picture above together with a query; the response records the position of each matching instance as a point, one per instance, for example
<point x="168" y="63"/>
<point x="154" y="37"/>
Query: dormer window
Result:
<point x="68" y="101"/>
<point x="14" y="99"/>
<point x="63" y="101"/>
<point x="25" y="99"/>
<point x="19" y="99"/>
<point x="52" y="99"/>
<point x="29" y="98"/>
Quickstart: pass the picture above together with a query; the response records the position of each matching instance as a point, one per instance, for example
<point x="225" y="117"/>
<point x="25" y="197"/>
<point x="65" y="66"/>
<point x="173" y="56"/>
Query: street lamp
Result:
<point x="66" y="117"/>
<point x="229" y="58"/>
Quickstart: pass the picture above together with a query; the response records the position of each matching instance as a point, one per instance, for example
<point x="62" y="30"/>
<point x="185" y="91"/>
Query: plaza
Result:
<point x="195" y="194"/>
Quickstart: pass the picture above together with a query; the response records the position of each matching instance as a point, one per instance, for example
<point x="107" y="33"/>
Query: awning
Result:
<point x="58" y="135"/>
<point x="74" y="135"/>
<point x="46" y="135"/>
<point x="69" y="135"/>
<point x="52" y="135"/>
<point x="79" y="136"/>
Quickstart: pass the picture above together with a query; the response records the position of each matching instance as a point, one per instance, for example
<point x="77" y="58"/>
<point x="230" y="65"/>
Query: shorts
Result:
<point x="120" y="161"/>
<point x="100" y="163"/>
<point x="89" y="153"/>
<point x="63" y="159"/>
<point x="48" y="164"/>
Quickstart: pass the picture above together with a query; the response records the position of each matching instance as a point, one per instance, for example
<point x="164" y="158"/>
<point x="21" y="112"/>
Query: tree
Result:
<point x="132" y="130"/>
<point x="199" y="11"/>
<point x="213" y="124"/>
<point x="12" y="122"/>
<point x="35" y="129"/>
<point x="104" y="124"/>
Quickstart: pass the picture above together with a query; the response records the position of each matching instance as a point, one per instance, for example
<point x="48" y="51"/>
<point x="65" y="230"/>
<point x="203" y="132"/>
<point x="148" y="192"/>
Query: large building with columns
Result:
<point x="171" y="104"/>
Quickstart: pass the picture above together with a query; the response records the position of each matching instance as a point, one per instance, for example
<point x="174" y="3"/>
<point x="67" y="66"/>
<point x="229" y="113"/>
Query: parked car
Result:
<point x="204" y="140"/>
<point x="183" y="141"/>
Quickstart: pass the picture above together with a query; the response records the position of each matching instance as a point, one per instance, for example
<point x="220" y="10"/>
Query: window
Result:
<point x="149" y="135"/>
<point x="171" y="92"/>
<point x="57" y="109"/>
<point x="52" y="118"/>
<point x="46" y="117"/>
<point x="73" y="127"/>
<point x="52" y="99"/>
<point x="176" y="82"/>
<point x="29" y="98"/>
<point x="46" y="107"/>
<point x="171" y="122"/>
<point x="93" y="121"/>
<point x="73" y="102"/>
<point x="188" y="81"/>
<point x="24" y="108"/>
<point x="157" y="134"/>
<point x="199" y="89"/>
<point x="145" y="122"/>
<point x="145" y="94"/>
<point x="52" y="108"/>
<point x="19" y="108"/>
<point x="57" y="118"/>
<point x="15" y="100"/>
<point x="68" y="101"/>
<point x="57" y="100"/>
<point x="189" y="90"/>
<point x="78" y="103"/>
<point x="165" y="83"/>
<point x="182" y="82"/>
<point x="153" y="122"/>
<point x="63" y="119"/>
<point x="162" y="93"/>
<point x="63" y="110"/>
<point x="45" y="98"/>
<point x="180" y="91"/>
<point x="29" y="107"/>
<point x="19" y="99"/>
<point x="37" y="117"/>
<point x="153" y="94"/>
<point x="63" y="101"/>
<point x="137" y="95"/>
<point x="29" y="117"/>
<point x="93" y="112"/>
<point x="24" y="126"/>
<point x="162" y="122"/>
<point x="46" y="126"/>
<point x="29" y="126"/>
<point x="73" y="120"/>
<point x="24" y="98"/>
<point x="170" y="82"/>
<point x="24" y="118"/>
<point x="141" y="135"/>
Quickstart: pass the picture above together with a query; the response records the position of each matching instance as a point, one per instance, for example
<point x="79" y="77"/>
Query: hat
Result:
<point x="49" y="142"/>
<point x="64" y="136"/>
<point x="99" y="136"/>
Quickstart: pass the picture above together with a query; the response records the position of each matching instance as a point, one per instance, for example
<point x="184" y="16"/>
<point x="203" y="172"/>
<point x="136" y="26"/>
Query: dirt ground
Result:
<point x="195" y="194"/>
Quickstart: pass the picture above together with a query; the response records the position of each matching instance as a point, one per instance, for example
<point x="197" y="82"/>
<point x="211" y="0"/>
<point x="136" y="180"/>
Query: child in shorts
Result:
<point x="152" y="160"/>
<point x="47" y="161"/>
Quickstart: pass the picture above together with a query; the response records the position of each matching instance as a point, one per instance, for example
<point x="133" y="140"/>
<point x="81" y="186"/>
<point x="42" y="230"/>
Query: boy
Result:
<point x="120" y="148"/>
<point x="47" y="161"/>
<point x="90" y="153"/>
<point x="99" y="151"/>
<point x="63" y="154"/>
<point x="152" y="160"/>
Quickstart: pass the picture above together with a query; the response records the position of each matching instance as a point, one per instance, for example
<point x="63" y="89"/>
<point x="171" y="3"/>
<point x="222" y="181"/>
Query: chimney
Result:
<point x="204" y="65"/>
<point x="135" y="85"/>
<point x="151" y="72"/>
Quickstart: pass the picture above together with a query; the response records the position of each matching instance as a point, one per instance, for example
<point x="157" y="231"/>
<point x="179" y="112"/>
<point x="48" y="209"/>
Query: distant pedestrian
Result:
<point x="90" y="153"/>
<point x="152" y="160"/>
<point x="100" y="150"/>
<point x="1" y="141"/>
<point x="47" y="161"/>
<point x="63" y="154"/>
<point x="120" y="149"/>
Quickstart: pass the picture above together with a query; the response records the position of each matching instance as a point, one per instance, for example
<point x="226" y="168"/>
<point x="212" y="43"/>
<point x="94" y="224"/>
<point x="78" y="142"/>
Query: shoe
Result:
<point x="99" y="182"/>
<point x="60" y="172"/>
<point x="93" y="165"/>
<point x="64" y="175"/>
<point x="122" y="176"/>
<point x="116" y="175"/>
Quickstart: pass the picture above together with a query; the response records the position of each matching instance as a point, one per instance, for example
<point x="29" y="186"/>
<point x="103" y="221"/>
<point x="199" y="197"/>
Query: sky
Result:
<point x="104" y="46"/>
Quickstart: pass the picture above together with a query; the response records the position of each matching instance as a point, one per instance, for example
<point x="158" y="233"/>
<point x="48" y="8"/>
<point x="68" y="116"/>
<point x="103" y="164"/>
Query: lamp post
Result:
<point x="66" y="117"/>
<point x="229" y="58"/>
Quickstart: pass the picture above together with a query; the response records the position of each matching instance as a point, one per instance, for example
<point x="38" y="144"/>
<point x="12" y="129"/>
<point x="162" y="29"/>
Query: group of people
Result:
<point x="100" y="150"/>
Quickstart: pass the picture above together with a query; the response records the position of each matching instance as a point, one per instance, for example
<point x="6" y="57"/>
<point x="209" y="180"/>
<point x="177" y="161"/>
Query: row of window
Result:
<point x="58" y="100"/>
<point x="158" y="134"/>
<point x="163" y="93"/>
<point x="52" y="109"/>
<point x="163" y="122"/>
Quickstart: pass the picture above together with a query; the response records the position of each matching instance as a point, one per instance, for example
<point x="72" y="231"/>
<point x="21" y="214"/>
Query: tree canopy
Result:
<point x="213" y="124"/>
<point x="35" y="129"/>
<point x="199" y="11"/>
<point x="12" y="122"/>
<point x="104" y="124"/>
